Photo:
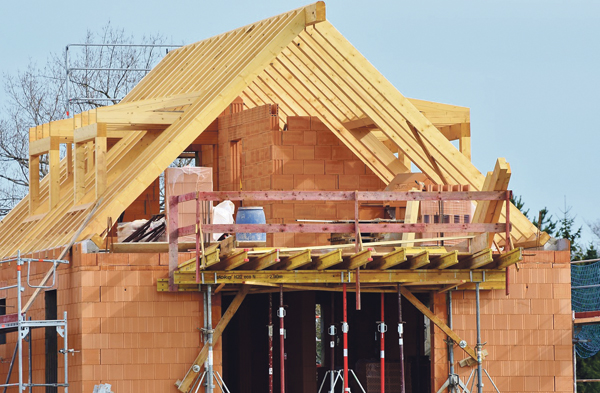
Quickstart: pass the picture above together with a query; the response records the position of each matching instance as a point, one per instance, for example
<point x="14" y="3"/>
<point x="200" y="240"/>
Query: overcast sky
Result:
<point x="529" y="70"/>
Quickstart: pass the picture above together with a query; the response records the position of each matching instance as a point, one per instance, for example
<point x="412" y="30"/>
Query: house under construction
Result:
<point x="371" y="276"/>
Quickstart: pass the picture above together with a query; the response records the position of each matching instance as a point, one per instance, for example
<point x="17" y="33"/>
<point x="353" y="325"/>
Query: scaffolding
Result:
<point x="19" y="323"/>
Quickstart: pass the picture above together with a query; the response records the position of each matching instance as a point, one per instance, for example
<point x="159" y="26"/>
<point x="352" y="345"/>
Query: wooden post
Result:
<point x="100" y="147"/>
<point x="54" y="170"/>
<point x="79" y="172"/>
<point x="34" y="183"/>
<point x="173" y="231"/>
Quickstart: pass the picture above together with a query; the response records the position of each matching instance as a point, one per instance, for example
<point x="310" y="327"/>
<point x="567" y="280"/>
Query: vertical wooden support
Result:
<point x="465" y="140"/>
<point x="69" y="148"/>
<point x="90" y="156"/>
<point x="79" y="172"/>
<point x="54" y="171"/>
<point x="411" y="217"/>
<point x="405" y="161"/>
<point x="173" y="231"/>
<point x="34" y="183"/>
<point x="100" y="158"/>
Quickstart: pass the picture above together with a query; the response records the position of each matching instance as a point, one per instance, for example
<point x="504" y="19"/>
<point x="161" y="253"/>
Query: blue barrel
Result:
<point x="251" y="215"/>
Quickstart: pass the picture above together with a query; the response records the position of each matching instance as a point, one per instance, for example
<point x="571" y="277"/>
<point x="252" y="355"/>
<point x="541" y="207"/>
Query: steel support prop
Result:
<point x="270" y="330"/>
<point x="382" y="327"/>
<point x="345" y="333"/>
<point x="332" y="332"/>
<point x="281" y="315"/>
<point x="401" y="341"/>
<point x="479" y="360"/>
<point x="209" y="369"/>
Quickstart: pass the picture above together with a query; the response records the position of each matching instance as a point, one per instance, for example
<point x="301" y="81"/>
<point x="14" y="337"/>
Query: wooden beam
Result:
<point x="411" y="217"/>
<point x="333" y="276"/>
<point x="357" y="260"/>
<point x="230" y="262"/>
<point x="324" y="261"/>
<point x="185" y="384"/>
<point x="79" y="172"/>
<point x="315" y="13"/>
<point x="295" y="261"/>
<point x="86" y="133"/>
<point x="388" y="260"/>
<point x="359" y="123"/>
<point x="436" y="320"/>
<point x="507" y="259"/>
<point x="264" y="261"/>
<point x="39" y="147"/>
<point x="444" y="261"/>
<point x="476" y="260"/>
<point x="101" y="169"/>
<point x="54" y="172"/>
<point x="416" y="261"/>
<point x="34" y="183"/>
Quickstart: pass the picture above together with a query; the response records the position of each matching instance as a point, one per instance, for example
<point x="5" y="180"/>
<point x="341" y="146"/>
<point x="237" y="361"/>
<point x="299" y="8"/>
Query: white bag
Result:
<point x="222" y="214"/>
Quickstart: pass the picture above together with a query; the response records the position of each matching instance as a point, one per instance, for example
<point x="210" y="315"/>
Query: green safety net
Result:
<point x="585" y="296"/>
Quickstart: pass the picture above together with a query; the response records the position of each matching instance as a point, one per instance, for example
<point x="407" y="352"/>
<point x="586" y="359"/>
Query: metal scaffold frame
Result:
<point x="18" y="323"/>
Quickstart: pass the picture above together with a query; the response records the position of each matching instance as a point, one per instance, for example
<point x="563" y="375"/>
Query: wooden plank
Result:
<point x="185" y="384"/>
<point x="477" y="260"/>
<point x="416" y="261"/>
<point x="507" y="259"/>
<point x="436" y="320"/>
<point x="444" y="261"/>
<point x="388" y="260"/>
<point x="315" y="13"/>
<point x="342" y="228"/>
<point x="86" y="133"/>
<point x="358" y="123"/>
<point x="137" y="117"/>
<point x="411" y="217"/>
<point x="264" y="261"/>
<point x="150" y="247"/>
<point x="232" y="261"/>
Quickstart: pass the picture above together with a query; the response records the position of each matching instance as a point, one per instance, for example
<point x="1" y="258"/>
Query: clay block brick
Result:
<point x="323" y="152"/>
<point x="354" y="167"/>
<point x="370" y="182"/>
<point x="314" y="167"/>
<point x="563" y="352"/>
<point x="327" y="138"/>
<point x="348" y="182"/>
<point x="562" y="256"/>
<point x="283" y="210"/>
<point x="341" y="153"/>
<point x="333" y="167"/>
<point x="345" y="211"/>
<point x="299" y="123"/>
<point x="317" y="124"/>
<point x="562" y="322"/>
<point x="327" y="211"/>
<point x="561" y="291"/>
<point x="293" y="167"/>
<point x="371" y="213"/>
<point x="304" y="239"/>
<point x="292" y="138"/>
<point x="326" y="182"/>
<point x="305" y="211"/>
<point x="304" y="182"/>
<point x="304" y="152"/>
<point x="310" y="138"/>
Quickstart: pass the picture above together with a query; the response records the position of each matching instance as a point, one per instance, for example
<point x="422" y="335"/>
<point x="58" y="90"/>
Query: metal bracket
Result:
<point x="24" y="332"/>
<point x="61" y="331"/>
<point x="332" y="330"/>
<point x="381" y="327"/>
<point x="281" y="312"/>
<point x="345" y="327"/>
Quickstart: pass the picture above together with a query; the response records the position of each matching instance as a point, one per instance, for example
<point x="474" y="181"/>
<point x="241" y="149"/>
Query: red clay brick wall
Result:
<point x="307" y="156"/>
<point x="128" y="334"/>
<point x="528" y="334"/>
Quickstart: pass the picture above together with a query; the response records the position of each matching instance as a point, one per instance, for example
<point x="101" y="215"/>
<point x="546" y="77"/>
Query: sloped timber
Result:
<point x="296" y="60"/>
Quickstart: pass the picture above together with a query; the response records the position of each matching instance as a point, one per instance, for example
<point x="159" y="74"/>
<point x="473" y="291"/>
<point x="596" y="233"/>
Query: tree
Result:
<point x="36" y="96"/>
<point x="545" y="222"/>
<point x="566" y="229"/>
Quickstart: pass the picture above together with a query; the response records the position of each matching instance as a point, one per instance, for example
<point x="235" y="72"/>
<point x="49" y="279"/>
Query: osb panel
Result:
<point x="528" y="333"/>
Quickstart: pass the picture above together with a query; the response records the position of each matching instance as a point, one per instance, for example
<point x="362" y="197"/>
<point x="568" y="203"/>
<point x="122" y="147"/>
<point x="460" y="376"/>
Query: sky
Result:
<point x="528" y="69"/>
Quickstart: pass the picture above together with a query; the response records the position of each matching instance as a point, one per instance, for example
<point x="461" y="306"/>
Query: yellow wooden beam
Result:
<point x="34" y="183"/>
<point x="232" y="261"/>
<point x="356" y="260"/>
<point x="264" y="261"/>
<point x="295" y="261"/>
<point x="54" y="171"/>
<point x="436" y="321"/>
<point x="417" y="261"/>
<point x="315" y="13"/>
<point x="388" y="260"/>
<point x="507" y="259"/>
<point x="444" y="261"/>
<point x="477" y="260"/>
<point x="324" y="261"/>
<point x="39" y="147"/>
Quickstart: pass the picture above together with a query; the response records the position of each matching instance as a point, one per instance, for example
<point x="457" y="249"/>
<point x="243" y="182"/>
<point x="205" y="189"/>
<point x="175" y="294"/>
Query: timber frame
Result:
<point x="297" y="60"/>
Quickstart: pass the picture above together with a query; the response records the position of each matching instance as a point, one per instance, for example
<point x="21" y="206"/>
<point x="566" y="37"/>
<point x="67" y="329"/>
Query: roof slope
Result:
<point x="296" y="59"/>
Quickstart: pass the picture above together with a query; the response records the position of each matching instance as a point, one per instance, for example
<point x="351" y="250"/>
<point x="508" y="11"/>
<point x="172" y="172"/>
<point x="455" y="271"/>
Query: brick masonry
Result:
<point x="528" y="333"/>
<point x="126" y="333"/>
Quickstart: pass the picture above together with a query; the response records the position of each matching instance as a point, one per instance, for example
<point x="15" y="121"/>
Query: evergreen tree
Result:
<point x="566" y="229"/>
<point x="547" y="224"/>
